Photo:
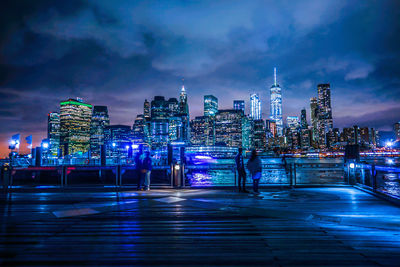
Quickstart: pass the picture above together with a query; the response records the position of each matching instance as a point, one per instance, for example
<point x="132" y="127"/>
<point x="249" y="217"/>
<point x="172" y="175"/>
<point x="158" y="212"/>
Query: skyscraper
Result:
<point x="75" y="117"/>
<point x="146" y="109"/>
<point x="255" y="107"/>
<point x="314" y="118"/>
<point x="184" y="113"/>
<point x="303" y="119"/>
<point x="100" y="120"/>
<point x="53" y="132"/>
<point x="239" y="105"/>
<point x="325" y="122"/>
<point x="117" y="139"/>
<point x="202" y="131"/>
<point x="276" y="106"/>
<point x="210" y="105"/>
<point x="293" y="123"/>
<point x="397" y="130"/>
<point x="259" y="135"/>
<point x="140" y="130"/>
<point x="228" y="127"/>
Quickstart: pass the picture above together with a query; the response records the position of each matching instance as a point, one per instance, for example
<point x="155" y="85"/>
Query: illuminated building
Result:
<point x="397" y="130"/>
<point x="293" y="123"/>
<point x="228" y="128"/>
<point x="75" y="117"/>
<point x="348" y="136"/>
<point x="159" y="133"/>
<point x="255" y="107"/>
<point x="303" y="119"/>
<point x="146" y="110"/>
<point x="247" y="132"/>
<point x="140" y="130"/>
<point x="202" y="131"/>
<point x="100" y="120"/>
<point x="118" y="140"/>
<point x="53" y="132"/>
<point x="239" y="105"/>
<point x="175" y="126"/>
<point x="184" y="113"/>
<point x="259" y="137"/>
<point x="159" y="108"/>
<point x="305" y="135"/>
<point x="325" y="122"/>
<point x="314" y="118"/>
<point x="276" y="105"/>
<point x="270" y="126"/>
<point x="210" y="105"/>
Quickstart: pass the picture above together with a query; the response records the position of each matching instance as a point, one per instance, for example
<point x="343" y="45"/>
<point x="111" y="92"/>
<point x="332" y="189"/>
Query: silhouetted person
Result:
<point x="241" y="170"/>
<point x="147" y="166"/>
<point x="255" y="168"/>
<point x="139" y="169"/>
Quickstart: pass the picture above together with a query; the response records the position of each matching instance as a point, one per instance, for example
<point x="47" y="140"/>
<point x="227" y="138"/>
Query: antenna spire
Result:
<point x="274" y="76"/>
<point x="183" y="84"/>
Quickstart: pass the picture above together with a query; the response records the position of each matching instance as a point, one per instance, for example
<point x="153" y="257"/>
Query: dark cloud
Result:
<point x="119" y="53"/>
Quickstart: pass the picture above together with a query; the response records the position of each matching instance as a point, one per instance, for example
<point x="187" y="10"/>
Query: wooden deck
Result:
<point x="299" y="227"/>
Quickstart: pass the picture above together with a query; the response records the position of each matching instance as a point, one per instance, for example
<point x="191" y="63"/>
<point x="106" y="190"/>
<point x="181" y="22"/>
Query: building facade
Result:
<point x="100" y="120"/>
<point x="255" y="107"/>
<point x="75" y="119"/>
<point x="53" y="132"/>
<point x="210" y="105"/>
<point x="239" y="105"/>
<point x="276" y="105"/>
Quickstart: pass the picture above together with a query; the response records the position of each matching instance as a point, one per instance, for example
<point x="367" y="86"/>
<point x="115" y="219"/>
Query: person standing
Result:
<point x="147" y="166"/>
<point x="241" y="170"/>
<point x="255" y="168"/>
<point x="138" y="169"/>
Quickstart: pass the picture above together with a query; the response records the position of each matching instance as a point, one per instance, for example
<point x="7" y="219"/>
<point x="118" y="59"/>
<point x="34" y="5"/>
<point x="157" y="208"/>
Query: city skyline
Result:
<point x="42" y="64"/>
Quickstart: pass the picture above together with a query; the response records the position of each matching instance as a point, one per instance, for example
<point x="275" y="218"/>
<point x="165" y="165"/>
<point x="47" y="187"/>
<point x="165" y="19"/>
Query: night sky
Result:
<point x="117" y="53"/>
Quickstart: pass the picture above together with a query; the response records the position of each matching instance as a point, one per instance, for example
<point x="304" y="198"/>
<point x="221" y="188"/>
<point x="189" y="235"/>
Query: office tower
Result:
<point x="270" y="126"/>
<point x="348" y="136"/>
<point x="184" y="113"/>
<point x="247" y="132"/>
<point x="228" y="128"/>
<point x="53" y="132"/>
<point x="202" y="131"/>
<point x="364" y="136"/>
<point x="295" y="140"/>
<point x="255" y="107"/>
<point x="175" y="126"/>
<point x="159" y="108"/>
<point x="276" y="105"/>
<point x="140" y="130"/>
<point x="303" y="119"/>
<point x="325" y="122"/>
<point x="75" y="117"/>
<point x="118" y="140"/>
<point x="159" y="133"/>
<point x="210" y="105"/>
<point x="239" y="105"/>
<point x="146" y="110"/>
<point x="397" y="130"/>
<point x="305" y="142"/>
<point x="314" y="118"/>
<point x="293" y="123"/>
<point x="173" y="107"/>
<point x="100" y="120"/>
<point x="259" y="137"/>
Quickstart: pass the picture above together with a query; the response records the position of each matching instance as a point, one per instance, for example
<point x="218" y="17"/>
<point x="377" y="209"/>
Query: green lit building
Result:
<point x="75" y="119"/>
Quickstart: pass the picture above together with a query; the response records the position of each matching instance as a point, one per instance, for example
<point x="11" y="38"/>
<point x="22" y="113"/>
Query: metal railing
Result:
<point x="381" y="179"/>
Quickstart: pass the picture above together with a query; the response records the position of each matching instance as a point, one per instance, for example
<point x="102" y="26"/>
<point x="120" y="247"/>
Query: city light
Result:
<point x="135" y="146"/>
<point x="114" y="144"/>
<point x="127" y="147"/>
<point x="352" y="165"/>
<point x="390" y="161"/>
<point x="389" y="144"/>
<point x="45" y="145"/>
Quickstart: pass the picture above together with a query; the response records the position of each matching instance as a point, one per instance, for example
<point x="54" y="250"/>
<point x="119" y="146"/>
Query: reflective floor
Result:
<point x="302" y="227"/>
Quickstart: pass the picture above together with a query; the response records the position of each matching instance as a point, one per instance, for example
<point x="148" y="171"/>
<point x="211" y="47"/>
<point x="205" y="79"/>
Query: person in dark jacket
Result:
<point x="138" y="169"/>
<point x="255" y="168"/>
<point x="147" y="166"/>
<point x="241" y="170"/>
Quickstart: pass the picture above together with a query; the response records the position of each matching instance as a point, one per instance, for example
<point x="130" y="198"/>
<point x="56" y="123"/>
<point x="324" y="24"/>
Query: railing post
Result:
<point x="374" y="175"/>
<point x="234" y="171"/>
<point x="290" y="174"/>
<point x="294" y="174"/>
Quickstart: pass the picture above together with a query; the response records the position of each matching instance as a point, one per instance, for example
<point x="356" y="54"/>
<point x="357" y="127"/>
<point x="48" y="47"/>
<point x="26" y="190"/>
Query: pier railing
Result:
<point x="380" y="179"/>
<point x="209" y="175"/>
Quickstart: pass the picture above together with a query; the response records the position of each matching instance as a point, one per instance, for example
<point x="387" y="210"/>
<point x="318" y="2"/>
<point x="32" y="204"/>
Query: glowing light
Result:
<point x="13" y="142"/>
<point x="135" y="146"/>
<point x="390" y="161"/>
<point x="389" y="143"/>
<point x="177" y="167"/>
<point x="45" y="145"/>
<point x="127" y="147"/>
<point x="352" y="166"/>
<point x="114" y="144"/>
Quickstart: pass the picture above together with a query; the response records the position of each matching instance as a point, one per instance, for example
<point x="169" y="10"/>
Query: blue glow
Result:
<point x="352" y="166"/>
<point x="135" y="146"/>
<point x="114" y="144"/>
